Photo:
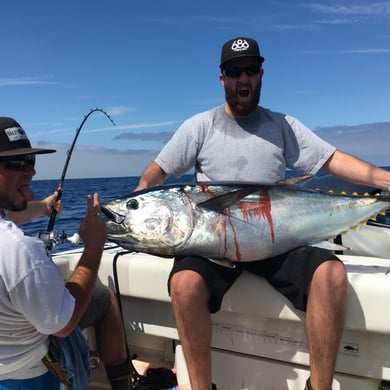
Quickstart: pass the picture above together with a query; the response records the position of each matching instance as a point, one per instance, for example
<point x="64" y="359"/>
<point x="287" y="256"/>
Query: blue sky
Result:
<point x="152" y="64"/>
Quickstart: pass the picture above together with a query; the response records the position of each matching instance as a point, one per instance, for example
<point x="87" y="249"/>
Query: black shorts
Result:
<point x="290" y="273"/>
<point x="98" y="306"/>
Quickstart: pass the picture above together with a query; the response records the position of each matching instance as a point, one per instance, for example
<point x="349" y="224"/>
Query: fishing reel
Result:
<point x="51" y="239"/>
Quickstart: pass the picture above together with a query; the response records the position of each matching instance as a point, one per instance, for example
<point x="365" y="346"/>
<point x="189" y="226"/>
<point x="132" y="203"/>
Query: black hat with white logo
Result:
<point x="240" y="47"/>
<point x="14" y="141"/>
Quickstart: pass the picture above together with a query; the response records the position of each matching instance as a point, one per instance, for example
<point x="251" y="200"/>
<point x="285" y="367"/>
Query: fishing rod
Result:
<point x="48" y="236"/>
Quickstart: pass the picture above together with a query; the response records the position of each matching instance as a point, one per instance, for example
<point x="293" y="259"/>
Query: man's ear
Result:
<point x="261" y="72"/>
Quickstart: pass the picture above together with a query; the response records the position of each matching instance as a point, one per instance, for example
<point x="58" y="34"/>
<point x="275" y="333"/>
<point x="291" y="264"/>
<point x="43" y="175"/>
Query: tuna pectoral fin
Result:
<point x="332" y="246"/>
<point x="293" y="181"/>
<point x="222" y="202"/>
<point x="223" y="263"/>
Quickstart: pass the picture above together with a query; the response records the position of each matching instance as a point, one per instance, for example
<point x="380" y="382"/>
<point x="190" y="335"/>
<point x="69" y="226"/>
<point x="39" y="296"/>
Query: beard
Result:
<point x="239" y="108"/>
<point x="8" y="203"/>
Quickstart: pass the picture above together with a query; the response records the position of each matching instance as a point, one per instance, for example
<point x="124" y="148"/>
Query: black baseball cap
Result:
<point x="240" y="47"/>
<point x="14" y="141"/>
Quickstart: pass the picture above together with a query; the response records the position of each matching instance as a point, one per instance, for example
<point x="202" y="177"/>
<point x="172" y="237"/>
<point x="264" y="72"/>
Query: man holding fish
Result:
<point x="257" y="145"/>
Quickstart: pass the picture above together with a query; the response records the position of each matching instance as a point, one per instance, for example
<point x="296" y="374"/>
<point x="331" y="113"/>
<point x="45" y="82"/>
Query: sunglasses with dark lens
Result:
<point x="235" y="72"/>
<point x="19" y="163"/>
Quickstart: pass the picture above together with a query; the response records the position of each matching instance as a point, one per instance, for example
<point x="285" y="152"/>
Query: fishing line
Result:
<point x="50" y="226"/>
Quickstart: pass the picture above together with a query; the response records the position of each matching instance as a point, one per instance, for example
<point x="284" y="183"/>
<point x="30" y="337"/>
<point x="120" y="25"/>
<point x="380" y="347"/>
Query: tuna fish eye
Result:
<point x="132" y="204"/>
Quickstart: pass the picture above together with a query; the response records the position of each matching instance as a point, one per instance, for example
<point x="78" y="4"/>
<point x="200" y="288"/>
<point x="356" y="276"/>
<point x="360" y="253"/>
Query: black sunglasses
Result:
<point x="19" y="163"/>
<point x="235" y="72"/>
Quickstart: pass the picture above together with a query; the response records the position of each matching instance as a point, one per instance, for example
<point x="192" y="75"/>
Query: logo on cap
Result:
<point x="240" y="45"/>
<point x="15" y="134"/>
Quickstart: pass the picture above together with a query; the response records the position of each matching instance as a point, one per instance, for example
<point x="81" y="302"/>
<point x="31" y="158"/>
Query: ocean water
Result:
<point x="74" y="196"/>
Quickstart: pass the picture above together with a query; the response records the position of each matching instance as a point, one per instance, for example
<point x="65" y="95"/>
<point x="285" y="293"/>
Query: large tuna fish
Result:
<point x="232" y="222"/>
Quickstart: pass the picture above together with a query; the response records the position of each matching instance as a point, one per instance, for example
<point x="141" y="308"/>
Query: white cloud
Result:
<point x="114" y="111"/>
<point x="369" y="9"/>
<point x="89" y="162"/>
<point x="366" y="141"/>
<point x="366" y="51"/>
<point x="5" y="82"/>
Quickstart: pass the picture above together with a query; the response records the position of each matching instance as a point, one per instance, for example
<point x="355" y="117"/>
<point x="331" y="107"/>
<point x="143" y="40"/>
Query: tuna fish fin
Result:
<point x="223" y="263"/>
<point x="293" y="181"/>
<point x="332" y="246"/>
<point x="222" y="202"/>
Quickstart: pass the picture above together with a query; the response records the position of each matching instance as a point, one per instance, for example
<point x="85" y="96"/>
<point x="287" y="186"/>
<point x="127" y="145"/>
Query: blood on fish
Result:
<point x="227" y="217"/>
<point x="261" y="209"/>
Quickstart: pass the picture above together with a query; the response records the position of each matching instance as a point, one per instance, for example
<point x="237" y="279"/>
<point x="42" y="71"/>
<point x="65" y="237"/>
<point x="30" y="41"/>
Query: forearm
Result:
<point x="34" y="209"/>
<point x="152" y="176"/>
<point x="81" y="285"/>
<point x="358" y="171"/>
<point x="82" y="282"/>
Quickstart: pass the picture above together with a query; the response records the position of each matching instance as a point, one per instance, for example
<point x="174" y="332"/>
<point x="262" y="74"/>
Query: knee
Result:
<point x="331" y="275"/>
<point x="114" y="306"/>
<point x="187" y="287"/>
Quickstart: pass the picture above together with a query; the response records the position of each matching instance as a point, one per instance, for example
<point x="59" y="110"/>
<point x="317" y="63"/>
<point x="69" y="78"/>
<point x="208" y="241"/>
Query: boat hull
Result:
<point x="266" y="344"/>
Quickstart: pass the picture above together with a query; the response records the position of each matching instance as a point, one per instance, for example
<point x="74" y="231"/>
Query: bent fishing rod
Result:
<point x="48" y="236"/>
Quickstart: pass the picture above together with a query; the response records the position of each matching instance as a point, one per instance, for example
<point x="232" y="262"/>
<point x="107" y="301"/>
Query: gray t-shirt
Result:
<point x="258" y="148"/>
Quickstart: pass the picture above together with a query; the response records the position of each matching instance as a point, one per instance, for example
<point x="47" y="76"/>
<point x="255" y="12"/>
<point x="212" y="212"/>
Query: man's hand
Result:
<point x="92" y="228"/>
<point x="50" y="202"/>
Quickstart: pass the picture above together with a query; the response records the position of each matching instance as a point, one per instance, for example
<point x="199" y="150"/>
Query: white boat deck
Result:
<point x="257" y="330"/>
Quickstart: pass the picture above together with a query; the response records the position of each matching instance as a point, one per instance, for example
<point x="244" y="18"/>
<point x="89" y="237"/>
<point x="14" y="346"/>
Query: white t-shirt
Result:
<point x="258" y="148"/>
<point x="34" y="303"/>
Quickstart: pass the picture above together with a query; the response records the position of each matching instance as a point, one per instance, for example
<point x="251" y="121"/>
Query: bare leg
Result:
<point x="110" y="336"/>
<point x="190" y="295"/>
<point x="325" y="320"/>
<point x="111" y="347"/>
